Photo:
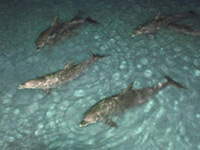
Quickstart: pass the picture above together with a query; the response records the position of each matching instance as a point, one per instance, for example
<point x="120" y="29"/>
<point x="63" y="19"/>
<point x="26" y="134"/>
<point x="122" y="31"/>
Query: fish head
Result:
<point x="88" y="119"/>
<point x="43" y="38"/>
<point x="40" y="42"/>
<point x="145" y="29"/>
<point x="32" y="84"/>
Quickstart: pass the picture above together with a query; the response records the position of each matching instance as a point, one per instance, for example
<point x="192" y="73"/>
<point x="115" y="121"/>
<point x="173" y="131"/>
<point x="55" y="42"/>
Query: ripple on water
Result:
<point x="11" y="139"/>
<point x="137" y="84"/>
<point x="198" y="116"/>
<point x="116" y="76"/>
<point x="160" y="113"/>
<point x="197" y="72"/>
<point x="96" y="37"/>
<point x="148" y="73"/>
<point x="51" y="125"/>
<point x="139" y="66"/>
<point x="79" y="93"/>
<point x="50" y="113"/>
<point x="6" y="101"/>
<point x="19" y="136"/>
<point x="148" y="107"/>
<point x="106" y="136"/>
<point x="122" y="65"/>
<point x="144" y="61"/>
<point x="38" y="132"/>
<point x="40" y="125"/>
<point x="16" y="111"/>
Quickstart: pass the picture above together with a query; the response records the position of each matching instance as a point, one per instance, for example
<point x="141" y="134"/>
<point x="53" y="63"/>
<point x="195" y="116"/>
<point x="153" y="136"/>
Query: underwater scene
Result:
<point x="100" y="75"/>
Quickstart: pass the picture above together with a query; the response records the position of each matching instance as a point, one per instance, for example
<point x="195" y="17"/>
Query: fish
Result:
<point x="161" y="21"/>
<point x="60" y="31"/>
<point x="190" y="30"/>
<point x="63" y="76"/>
<point x="119" y="103"/>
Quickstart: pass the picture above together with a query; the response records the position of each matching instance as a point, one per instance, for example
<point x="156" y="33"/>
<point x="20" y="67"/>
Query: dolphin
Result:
<point x="161" y="21"/>
<point x="60" y="31"/>
<point x="113" y="105"/>
<point x="53" y="80"/>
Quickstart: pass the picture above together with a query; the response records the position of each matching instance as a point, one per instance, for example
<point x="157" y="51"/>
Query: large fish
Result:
<point x="104" y="109"/>
<point x="60" y="31"/>
<point x="161" y="21"/>
<point x="63" y="76"/>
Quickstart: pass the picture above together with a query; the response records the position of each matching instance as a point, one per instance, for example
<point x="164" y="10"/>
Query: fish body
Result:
<point x="60" y="77"/>
<point x="60" y="31"/>
<point x="160" y="21"/>
<point x="104" y="109"/>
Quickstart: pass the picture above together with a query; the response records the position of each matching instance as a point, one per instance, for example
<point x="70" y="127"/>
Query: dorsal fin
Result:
<point x="158" y="16"/>
<point x="77" y="17"/>
<point x="54" y="22"/>
<point x="129" y="88"/>
<point x="68" y="64"/>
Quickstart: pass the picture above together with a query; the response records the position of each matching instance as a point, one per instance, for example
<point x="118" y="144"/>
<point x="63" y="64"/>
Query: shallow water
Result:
<point x="33" y="120"/>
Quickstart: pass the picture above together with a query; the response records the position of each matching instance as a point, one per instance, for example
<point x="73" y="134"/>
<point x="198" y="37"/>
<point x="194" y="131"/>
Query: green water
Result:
<point x="32" y="120"/>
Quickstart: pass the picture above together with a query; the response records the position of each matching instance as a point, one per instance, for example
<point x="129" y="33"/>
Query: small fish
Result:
<point x="161" y="21"/>
<point x="63" y="76"/>
<point x="60" y="31"/>
<point x="113" y="105"/>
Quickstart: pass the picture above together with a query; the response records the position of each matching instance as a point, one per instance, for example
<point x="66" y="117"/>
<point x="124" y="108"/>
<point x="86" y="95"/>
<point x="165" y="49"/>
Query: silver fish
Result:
<point x="104" y="109"/>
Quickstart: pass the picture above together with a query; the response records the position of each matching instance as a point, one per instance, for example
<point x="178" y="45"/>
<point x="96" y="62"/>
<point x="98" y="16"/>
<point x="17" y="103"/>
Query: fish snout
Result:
<point x="133" y="35"/>
<point x="38" y="48"/>
<point x="29" y="85"/>
<point x="136" y="32"/>
<point x="83" y="124"/>
<point x="21" y="87"/>
<point x="39" y="45"/>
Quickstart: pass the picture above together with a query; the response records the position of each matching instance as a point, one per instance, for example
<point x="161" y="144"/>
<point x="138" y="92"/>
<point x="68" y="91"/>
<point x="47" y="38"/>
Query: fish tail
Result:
<point x="174" y="83"/>
<point x="193" y="13"/>
<point x="90" y="20"/>
<point x="21" y="87"/>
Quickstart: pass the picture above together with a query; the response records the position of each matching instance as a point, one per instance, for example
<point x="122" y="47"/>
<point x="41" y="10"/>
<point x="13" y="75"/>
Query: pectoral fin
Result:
<point x="67" y="66"/>
<point x="54" y="22"/>
<point x="110" y="122"/>
<point x="158" y="16"/>
<point x="47" y="91"/>
<point x="129" y="88"/>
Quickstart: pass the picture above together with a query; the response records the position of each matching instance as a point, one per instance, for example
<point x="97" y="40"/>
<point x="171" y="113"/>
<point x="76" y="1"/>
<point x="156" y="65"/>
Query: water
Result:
<point x="32" y="120"/>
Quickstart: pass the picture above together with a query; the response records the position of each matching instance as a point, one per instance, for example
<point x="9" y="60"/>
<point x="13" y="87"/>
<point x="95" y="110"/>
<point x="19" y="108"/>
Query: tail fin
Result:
<point x="174" y="83"/>
<point x="90" y="20"/>
<point x="193" y="13"/>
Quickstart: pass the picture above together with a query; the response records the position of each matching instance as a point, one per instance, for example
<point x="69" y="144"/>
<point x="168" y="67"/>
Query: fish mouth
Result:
<point x="133" y="35"/>
<point x="83" y="124"/>
<point x="136" y="33"/>
<point x="21" y="87"/>
<point x="80" y="125"/>
<point x="38" y="48"/>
